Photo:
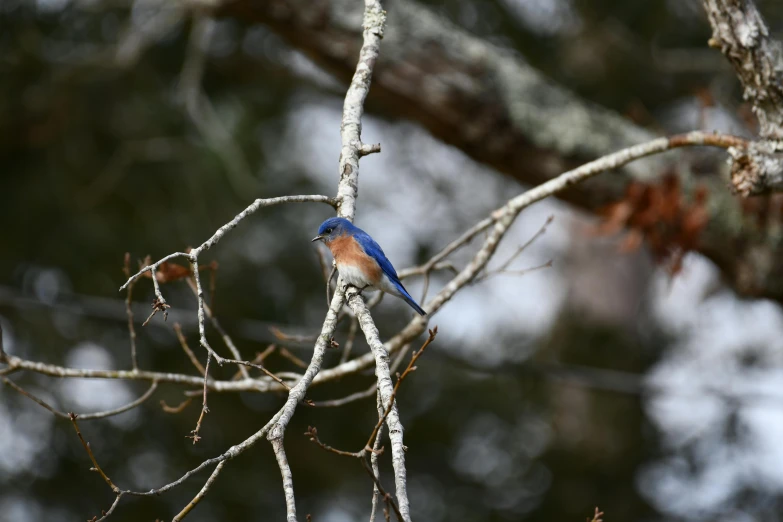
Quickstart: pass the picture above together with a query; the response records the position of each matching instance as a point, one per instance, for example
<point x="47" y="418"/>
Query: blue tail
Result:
<point x="408" y="299"/>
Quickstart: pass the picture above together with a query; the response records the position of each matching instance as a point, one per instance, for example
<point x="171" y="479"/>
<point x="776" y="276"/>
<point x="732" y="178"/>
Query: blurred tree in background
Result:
<point x="616" y="379"/>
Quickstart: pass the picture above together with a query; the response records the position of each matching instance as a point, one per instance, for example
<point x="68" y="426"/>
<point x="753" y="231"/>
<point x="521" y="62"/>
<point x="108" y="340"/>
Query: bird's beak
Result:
<point x="316" y="238"/>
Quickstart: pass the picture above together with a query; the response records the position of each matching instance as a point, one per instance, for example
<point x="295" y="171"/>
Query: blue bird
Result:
<point x="360" y="260"/>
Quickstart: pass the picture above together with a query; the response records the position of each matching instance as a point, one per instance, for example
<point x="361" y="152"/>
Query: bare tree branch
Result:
<point x="129" y="312"/>
<point x="204" y="408"/>
<point x="201" y="494"/>
<point x="192" y="256"/>
<point x="386" y="390"/>
<point x="352" y="148"/>
<point x="276" y="438"/>
<point x="415" y="327"/>
<point x="218" y="235"/>
<point x="497" y="223"/>
<point x="375" y="435"/>
<point x="216" y="324"/>
<point x="191" y="356"/>
<point x="493" y="105"/>
<point x="739" y="31"/>
<point x="83" y="416"/>
<point x="347" y="191"/>
<point x="96" y="467"/>
<point x="502" y="218"/>
<point x="376" y="449"/>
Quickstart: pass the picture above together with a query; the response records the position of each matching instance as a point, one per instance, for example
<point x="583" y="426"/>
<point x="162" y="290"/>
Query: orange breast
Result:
<point x="346" y="251"/>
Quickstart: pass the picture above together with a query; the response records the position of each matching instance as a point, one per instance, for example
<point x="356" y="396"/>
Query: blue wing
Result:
<point x="374" y="250"/>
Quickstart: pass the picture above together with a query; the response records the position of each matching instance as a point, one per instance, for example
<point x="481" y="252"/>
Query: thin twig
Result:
<point x="107" y="514"/>
<point x="411" y="367"/>
<point x="216" y="324"/>
<point x="96" y="467"/>
<point x="218" y="235"/>
<point x="290" y="338"/>
<point x="201" y="494"/>
<point x="53" y="370"/>
<point x="176" y="409"/>
<point x="312" y="434"/>
<point x="502" y="268"/>
<point x="334" y="403"/>
<point x="329" y="284"/>
<point x="259" y="359"/>
<point x="373" y="444"/>
<point x="83" y="416"/>
<point x="201" y="313"/>
<point x="259" y="367"/>
<point x="596" y="516"/>
<point x="386" y="496"/>
<point x="522" y="271"/>
<point x="349" y="342"/>
<point x="291" y="357"/>
<point x="365" y="394"/>
<point x="160" y="304"/>
<point x="184" y="343"/>
<point x="204" y="408"/>
<point x="129" y="312"/>
<point x="11" y="384"/>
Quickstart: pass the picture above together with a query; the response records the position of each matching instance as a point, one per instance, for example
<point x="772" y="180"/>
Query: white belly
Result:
<point x="353" y="276"/>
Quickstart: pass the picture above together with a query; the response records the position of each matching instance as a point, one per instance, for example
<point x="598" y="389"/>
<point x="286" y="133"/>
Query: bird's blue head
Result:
<point x="333" y="228"/>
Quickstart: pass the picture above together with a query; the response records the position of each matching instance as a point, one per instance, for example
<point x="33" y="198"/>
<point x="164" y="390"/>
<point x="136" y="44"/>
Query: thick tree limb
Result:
<point x="739" y="31"/>
<point x="499" y="110"/>
<point x="466" y="91"/>
<point x="742" y="36"/>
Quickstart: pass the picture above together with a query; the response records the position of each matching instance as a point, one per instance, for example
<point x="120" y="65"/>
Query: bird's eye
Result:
<point x="328" y="231"/>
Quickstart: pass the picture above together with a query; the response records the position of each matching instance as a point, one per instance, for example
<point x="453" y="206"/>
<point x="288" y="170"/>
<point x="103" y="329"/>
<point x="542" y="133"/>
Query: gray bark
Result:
<point x="500" y="111"/>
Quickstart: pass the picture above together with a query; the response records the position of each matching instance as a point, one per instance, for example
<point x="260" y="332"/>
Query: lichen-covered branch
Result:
<point x="276" y="438"/>
<point x="499" y="110"/>
<point x="347" y="191"/>
<point x="160" y="303"/>
<point x="386" y="389"/>
<point x="351" y="127"/>
<point x="739" y="31"/>
<point x="497" y="224"/>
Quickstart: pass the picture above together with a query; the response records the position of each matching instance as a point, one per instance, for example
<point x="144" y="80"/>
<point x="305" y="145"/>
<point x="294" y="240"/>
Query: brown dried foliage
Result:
<point x="660" y="216"/>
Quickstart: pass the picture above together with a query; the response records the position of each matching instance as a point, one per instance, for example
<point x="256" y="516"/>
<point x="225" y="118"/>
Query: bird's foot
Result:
<point x="359" y="289"/>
